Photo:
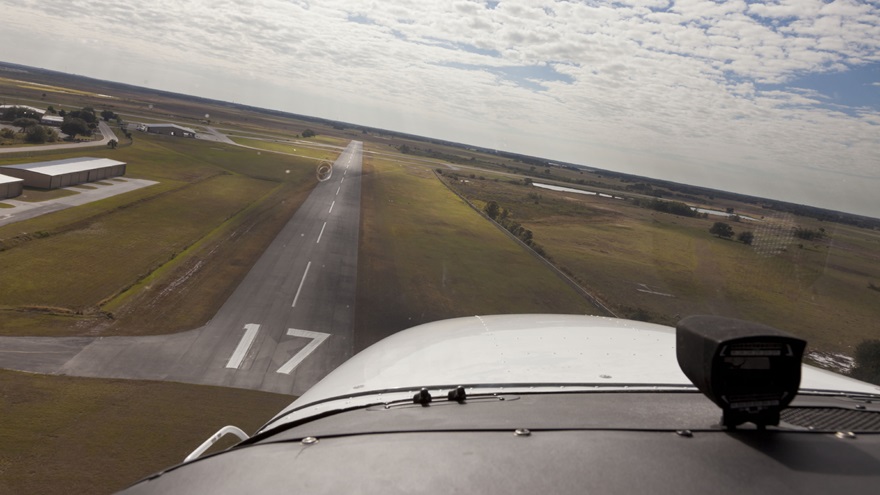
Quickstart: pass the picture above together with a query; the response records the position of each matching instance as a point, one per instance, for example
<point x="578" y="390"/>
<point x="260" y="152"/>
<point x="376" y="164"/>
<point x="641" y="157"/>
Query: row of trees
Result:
<point x="502" y="217"/>
<point x="809" y="234"/>
<point x="12" y="113"/>
<point x="724" y="230"/>
<point x="673" y="207"/>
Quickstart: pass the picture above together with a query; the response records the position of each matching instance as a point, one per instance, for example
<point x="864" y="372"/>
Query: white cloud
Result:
<point x="669" y="90"/>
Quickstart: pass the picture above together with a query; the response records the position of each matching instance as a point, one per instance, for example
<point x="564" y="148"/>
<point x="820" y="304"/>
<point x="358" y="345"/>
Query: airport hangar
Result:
<point x="62" y="173"/>
<point x="10" y="187"/>
<point x="171" y="130"/>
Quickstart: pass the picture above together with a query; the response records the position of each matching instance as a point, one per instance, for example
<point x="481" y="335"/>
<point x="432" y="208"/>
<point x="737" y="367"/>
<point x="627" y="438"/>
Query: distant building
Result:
<point x="10" y="187"/>
<point x="63" y="173"/>
<point x="52" y="120"/>
<point x="171" y="130"/>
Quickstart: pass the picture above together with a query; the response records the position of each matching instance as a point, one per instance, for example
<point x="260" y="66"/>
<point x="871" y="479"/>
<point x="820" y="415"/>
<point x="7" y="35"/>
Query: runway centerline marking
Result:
<point x="250" y="332"/>
<point x="322" y="233"/>
<point x="331" y="207"/>
<point x="299" y="357"/>
<point x="337" y="190"/>
<point x="343" y="180"/>
<point x="301" y="282"/>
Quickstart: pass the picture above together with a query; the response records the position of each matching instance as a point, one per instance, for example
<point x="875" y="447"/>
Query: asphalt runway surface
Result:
<point x="287" y="324"/>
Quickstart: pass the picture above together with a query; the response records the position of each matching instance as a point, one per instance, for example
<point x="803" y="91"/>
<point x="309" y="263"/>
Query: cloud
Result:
<point x="676" y="90"/>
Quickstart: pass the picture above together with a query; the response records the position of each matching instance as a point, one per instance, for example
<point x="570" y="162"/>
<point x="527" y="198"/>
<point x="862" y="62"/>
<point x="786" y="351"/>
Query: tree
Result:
<point x="7" y="133"/>
<point x="308" y="133"/>
<point x="867" y="362"/>
<point x="37" y="134"/>
<point x="492" y="210"/>
<point x="87" y="114"/>
<point x="73" y="126"/>
<point x="13" y="113"/>
<point x="62" y="112"/>
<point x="113" y="143"/>
<point x="24" y="123"/>
<point x="51" y="110"/>
<point x="721" y="229"/>
<point x="107" y="115"/>
<point x="745" y="237"/>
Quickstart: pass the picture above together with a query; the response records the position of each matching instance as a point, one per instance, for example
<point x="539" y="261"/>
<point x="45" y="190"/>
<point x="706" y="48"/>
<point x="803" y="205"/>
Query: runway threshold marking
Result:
<point x="299" y="357"/>
<point x="301" y="282"/>
<point x="322" y="233"/>
<point x="250" y="332"/>
<point x="331" y="207"/>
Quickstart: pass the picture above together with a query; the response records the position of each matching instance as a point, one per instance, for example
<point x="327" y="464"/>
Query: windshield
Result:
<point x="245" y="195"/>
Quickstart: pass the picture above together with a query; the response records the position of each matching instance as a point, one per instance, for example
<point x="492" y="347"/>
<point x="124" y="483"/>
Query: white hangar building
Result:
<point x="62" y="173"/>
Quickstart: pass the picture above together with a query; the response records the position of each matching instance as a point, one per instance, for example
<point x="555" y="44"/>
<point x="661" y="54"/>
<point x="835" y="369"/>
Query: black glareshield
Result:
<point x="751" y="371"/>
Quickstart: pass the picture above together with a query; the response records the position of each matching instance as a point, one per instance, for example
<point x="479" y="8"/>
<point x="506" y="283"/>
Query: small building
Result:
<point x="171" y="130"/>
<point x="53" y="120"/>
<point x="10" y="187"/>
<point x="63" y="173"/>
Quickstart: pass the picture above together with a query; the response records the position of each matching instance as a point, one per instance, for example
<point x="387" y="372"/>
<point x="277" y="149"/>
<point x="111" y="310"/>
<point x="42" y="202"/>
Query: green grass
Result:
<point x="298" y="149"/>
<point x="818" y="292"/>
<point x="65" y="267"/>
<point x="83" y="435"/>
<point x="4" y="205"/>
<point x="115" y="251"/>
<point x="425" y="255"/>
<point x="184" y="295"/>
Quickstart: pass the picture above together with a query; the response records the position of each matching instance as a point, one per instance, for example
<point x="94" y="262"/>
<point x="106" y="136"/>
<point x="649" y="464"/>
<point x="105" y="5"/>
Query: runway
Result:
<point x="286" y="325"/>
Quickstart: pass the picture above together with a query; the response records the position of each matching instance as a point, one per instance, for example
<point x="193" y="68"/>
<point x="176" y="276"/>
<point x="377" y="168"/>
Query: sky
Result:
<point x="776" y="98"/>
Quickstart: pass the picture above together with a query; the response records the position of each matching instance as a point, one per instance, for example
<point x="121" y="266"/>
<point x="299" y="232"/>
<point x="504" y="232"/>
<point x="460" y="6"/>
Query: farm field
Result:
<point x="659" y="267"/>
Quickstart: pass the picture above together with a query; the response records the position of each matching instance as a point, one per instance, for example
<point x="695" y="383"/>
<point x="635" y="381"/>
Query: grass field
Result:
<point x="660" y="267"/>
<point x="425" y="255"/>
<point x="318" y="153"/>
<point x="83" y="435"/>
<point x="70" y="270"/>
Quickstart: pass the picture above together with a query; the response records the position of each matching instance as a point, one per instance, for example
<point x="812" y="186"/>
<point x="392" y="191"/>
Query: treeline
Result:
<point x="502" y="216"/>
<point x="673" y="207"/>
<point x="809" y="234"/>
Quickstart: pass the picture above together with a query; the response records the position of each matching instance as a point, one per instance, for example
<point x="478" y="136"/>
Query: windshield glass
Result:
<point x="245" y="195"/>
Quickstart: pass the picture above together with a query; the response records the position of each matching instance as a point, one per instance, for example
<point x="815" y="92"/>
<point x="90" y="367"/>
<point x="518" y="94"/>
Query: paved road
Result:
<point x="286" y="325"/>
<point x="106" y="133"/>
